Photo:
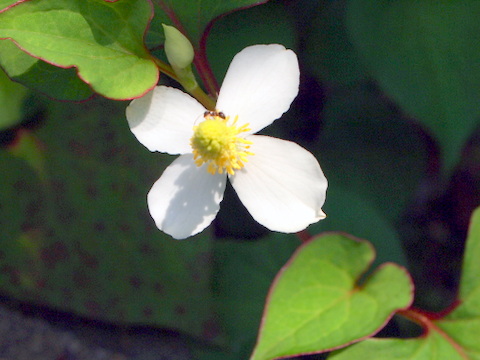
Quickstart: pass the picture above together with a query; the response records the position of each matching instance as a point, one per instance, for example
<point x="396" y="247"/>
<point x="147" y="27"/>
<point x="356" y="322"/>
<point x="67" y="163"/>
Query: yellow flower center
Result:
<point x="216" y="143"/>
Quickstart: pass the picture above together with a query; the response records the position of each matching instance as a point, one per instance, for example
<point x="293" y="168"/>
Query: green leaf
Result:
<point x="251" y="26"/>
<point x="470" y="283"/>
<point x="463" y="324"/>
<point x="316" y="302"/>
<point x="193" y="16"/>
<point x="368" y="147"/>
<point x="425" y="55"/>
<point x="58" y="83"/>
<point x="432" y="347"/>
<point x="454" y="336"/>
<point x="6" y="3"/>
<point x="103" y="40"/>
<point x="81" y="238"/>
<point x="329" y="53"/>
<point x="11" y="101"/>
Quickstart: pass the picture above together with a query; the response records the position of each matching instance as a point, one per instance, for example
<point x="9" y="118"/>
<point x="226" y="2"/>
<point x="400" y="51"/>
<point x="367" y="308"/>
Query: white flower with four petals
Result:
<point x="280" y="183"/>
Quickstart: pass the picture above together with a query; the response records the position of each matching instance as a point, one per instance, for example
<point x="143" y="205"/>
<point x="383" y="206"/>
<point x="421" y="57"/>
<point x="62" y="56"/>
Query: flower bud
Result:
<point x="178" y="48"/>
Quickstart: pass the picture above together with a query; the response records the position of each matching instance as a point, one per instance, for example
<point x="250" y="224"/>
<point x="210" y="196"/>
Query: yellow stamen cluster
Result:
<point x="215" y="142"/>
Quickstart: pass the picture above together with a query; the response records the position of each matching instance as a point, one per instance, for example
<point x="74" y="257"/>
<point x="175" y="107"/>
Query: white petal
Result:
<point x="281" y="185"/>
<point x="163" y="119"/>
<point x="186" y="198"/>
<point x="260" y="85"/>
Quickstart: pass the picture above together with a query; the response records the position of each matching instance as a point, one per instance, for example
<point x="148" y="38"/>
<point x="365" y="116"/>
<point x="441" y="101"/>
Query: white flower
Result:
<point x="280" y="183"/>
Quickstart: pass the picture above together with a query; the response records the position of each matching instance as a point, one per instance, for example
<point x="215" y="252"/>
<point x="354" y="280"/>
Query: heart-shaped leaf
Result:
<point x="425" y="54"/>
<point x="316" y="302"/>
<point x="451" y="337"/>
<point x="102" y="39"/>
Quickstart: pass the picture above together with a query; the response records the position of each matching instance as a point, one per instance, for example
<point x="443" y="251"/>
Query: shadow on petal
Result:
<point x="186" y="198"/>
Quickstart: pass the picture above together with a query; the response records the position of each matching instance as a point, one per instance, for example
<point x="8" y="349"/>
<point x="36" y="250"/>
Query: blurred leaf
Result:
<point x="212" y="354"/>
<point x="83" y="240"/>
<point x="27" y="147"/>
<point x="243" y="273"/>
<point x="155" y="36"/>
<point x="374" y="160"/>
<point x="58" y="83"/>
<point x="250" y="26"/>
<point x="367" y="147"/>
<point x="454" y="336"/>
<point x="103" y="40"/>
<point x="316" y="303"/>
<point x="193" y="16"/>
<point x="425" y="54"/>
<point x="11" y="101"/>
<point x="329" y="54"/>
<point x="304" y="11"/>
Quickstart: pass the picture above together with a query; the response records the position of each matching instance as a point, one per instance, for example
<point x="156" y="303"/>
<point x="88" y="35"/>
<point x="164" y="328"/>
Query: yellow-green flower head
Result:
<point x="280" y="183"/>
<point x="178" y="48"/>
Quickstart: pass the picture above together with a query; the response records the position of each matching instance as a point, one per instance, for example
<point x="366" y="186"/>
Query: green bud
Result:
<point x="178" y="48"/>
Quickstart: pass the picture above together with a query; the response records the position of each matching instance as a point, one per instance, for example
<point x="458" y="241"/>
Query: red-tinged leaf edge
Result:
<point x="20" y="1"/>
<point x="427" y="319"/>
<point x="12" y="5"/>
<point x="76" y="68"/>
<point x="47" y="94"/>
<point x="360" y="280"/>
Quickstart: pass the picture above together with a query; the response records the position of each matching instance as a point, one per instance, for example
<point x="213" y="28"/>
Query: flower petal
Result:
<point x="186" y="198"/>
<point x="281" y="185"/>
<point x="260" y="85"/>
<point x="163" y="119"/>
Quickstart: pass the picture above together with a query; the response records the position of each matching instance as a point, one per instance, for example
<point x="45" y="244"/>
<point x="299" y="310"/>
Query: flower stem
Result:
<point x="202" y="98"/>
<point x="165" y="68"/>
<point x="203" y="66"/>
<point x="206" y="73"/>
<point x="191" y="86"/>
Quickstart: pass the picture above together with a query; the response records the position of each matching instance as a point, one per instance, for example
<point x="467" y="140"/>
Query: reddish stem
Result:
<point x="427" y="321"/>
<point x="206" y="74"/>
<point x="200" y="61"/>
<point x="203" y="66"/>
<point x="304" y="236"/>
